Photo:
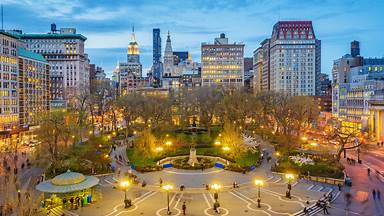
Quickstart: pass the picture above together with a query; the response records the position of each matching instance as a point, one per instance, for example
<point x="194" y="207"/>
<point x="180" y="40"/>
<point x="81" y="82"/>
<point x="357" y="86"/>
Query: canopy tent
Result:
<point x="67" y="182"/>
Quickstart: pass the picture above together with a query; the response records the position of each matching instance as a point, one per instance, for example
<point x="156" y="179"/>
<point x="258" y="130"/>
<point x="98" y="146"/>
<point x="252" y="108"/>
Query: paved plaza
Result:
<point x="152" y="199"/>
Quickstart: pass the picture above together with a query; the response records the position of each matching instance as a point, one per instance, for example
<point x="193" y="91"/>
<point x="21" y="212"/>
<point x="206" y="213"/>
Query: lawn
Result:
<point x="246" y="159"/>
<point x="90" y="157"/>
<point x="322" y="167"/>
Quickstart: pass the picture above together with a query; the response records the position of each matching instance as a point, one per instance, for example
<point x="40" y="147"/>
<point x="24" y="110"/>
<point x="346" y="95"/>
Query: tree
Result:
<point x="51" y="131"/>
<point x="130" y="108"/>
<point x="346" y="139"/>
<point x="146" y="143"/>
<point x="231" y="137"/>
<point x="208" y="100"/>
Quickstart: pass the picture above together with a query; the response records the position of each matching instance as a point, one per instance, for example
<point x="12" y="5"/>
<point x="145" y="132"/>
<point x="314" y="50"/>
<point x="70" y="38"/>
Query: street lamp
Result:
<point x="259" y="183"/>
<point x="159" y="149"/>
<point x="217" y="143"/>
<point x="127" y="202"/>
<point x="226" y="148"/>
<point x="290" y="177"/>
<point x="216" y="187"/>
<point x="167" y="188"/>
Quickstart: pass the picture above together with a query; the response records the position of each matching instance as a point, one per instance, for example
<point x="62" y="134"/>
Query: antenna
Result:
<point x="2" y="17"/>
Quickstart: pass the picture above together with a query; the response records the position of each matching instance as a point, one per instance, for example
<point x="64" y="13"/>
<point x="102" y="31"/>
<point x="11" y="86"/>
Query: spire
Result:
<point x="168" y="37"/>
<point x="133" y="39"/>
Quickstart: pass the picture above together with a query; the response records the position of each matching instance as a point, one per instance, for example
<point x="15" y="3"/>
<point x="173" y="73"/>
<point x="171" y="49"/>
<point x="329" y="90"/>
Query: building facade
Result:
<point x="295" y="58"/>
<point x="222" y="63"/>
<point x="157" y="67"/>
<point x="34" y="87"/>
<point x="9" y="94"/>
<point x="257" y="70"/>
<point x="169" y="69"/>
<point x="64" y="50"/>
<point x="133" y="57"/>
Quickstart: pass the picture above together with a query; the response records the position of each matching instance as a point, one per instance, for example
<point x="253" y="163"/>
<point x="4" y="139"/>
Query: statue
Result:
<point x="192" y="152"/>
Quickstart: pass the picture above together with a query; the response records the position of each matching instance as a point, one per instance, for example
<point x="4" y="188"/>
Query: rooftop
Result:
<point x="31" y="55"/>
<point x="53" y="36"/>
<point x="8" y="34"/>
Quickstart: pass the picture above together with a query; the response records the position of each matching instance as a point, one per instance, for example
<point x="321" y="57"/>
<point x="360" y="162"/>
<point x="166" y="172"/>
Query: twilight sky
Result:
<point x="107" y="24"/>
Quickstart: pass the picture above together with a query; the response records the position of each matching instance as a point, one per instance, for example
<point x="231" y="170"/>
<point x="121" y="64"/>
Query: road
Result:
<point x="362" y="201"/>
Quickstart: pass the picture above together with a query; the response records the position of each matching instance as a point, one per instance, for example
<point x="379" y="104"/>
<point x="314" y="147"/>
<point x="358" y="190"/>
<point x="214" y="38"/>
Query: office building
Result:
<point x="356" y="82"/>
<point x="34" y="88"/>
<point x="157" y="67"/>
<point x="169" y="68"/>
<point x="133" y="57"/>
<point x="222" y="63"/>
<point x="9" y="95"/>
<point x="295" y="58"/>
<point x="69" y="64"/>
<point x="257" y="70"/>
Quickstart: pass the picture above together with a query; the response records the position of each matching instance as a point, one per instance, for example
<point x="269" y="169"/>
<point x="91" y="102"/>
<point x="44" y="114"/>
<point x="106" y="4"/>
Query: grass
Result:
<point x="323" y="168"/>
<point x="247" y="159"/>
<point x="84" y="158"/>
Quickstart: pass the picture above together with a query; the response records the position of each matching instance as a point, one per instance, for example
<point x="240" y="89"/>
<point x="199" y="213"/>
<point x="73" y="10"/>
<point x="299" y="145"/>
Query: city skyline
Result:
<point x="108" y="27"/>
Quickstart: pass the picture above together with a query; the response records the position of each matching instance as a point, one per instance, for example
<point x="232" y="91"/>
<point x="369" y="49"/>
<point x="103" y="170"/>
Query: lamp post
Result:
<point x="167" y="188"/>
<point x="216" y="187"/>
<point x="168" y="144"/>
<point x="259" y="183"/>
<point x="127" y="202"/>
<point x="290" y="177"/>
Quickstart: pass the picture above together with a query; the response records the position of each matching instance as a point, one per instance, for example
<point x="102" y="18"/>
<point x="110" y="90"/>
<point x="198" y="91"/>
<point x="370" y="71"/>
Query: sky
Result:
<point x="107" y="24"/>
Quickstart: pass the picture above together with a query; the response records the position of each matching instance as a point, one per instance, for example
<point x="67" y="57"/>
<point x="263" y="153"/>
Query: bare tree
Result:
<point x="346" y="139"/>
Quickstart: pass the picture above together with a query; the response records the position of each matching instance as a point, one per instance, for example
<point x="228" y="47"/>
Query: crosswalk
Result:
<point x="59" y="211"/>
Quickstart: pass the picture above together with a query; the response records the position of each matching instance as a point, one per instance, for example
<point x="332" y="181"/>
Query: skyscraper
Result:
<point x="295" y="56"/>
<point x="222" y="63"/>
<point x="157" y="67"/>
<point x="133" y="57"/>
<point x="168" y="58"/>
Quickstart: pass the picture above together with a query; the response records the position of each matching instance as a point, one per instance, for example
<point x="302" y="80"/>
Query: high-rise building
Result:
<point x="356" y="80"/>
<point x="355" y="48"/>
<point x="133" y="57"/>
<point x="222" y="63"/>
<point x="340" y="72"/>
<point x="9" y="90"/>
<point x="34" y="87"/>
<point x="169" y="69"/>
<point x="266" y="67"/>
<point x="257" y="69"/>
<point x="24" y="89"/>
<point x="157" y="67"/>
<point x="69" y="64"/>
<point x="325" y="85"/>
<point x="295" y="57"/>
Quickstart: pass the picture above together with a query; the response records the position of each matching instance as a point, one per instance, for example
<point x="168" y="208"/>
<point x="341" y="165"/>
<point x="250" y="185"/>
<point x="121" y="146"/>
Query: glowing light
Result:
<point x="168" y="143"/>
<point x="217" y="143"/>
<point x="226" y="148"/>
<point x="304" y="138"/>
<point x="167" y="187"/>
<point x="125" y="184"/>
<point x="259" y="182"/>
<point x="159" y="149"/>
<point x="313" y="144"/>
<point x="289" y="176"/>
<point x="216" y="187"/>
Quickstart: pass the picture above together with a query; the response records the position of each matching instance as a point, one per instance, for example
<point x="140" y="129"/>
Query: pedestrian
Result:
<point x="369" y="171"/>
<point x="382" y="143"/>
<point x="184" y="207"/>
<point x="378" y="143"/>
<point x="339" y="186"/>
<point x="325" y="210"/>
<point x="161" y="182"/>
<point x="378" y="194"/>
<point x="374" y="193"/>
<point x="305" y="210"/>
